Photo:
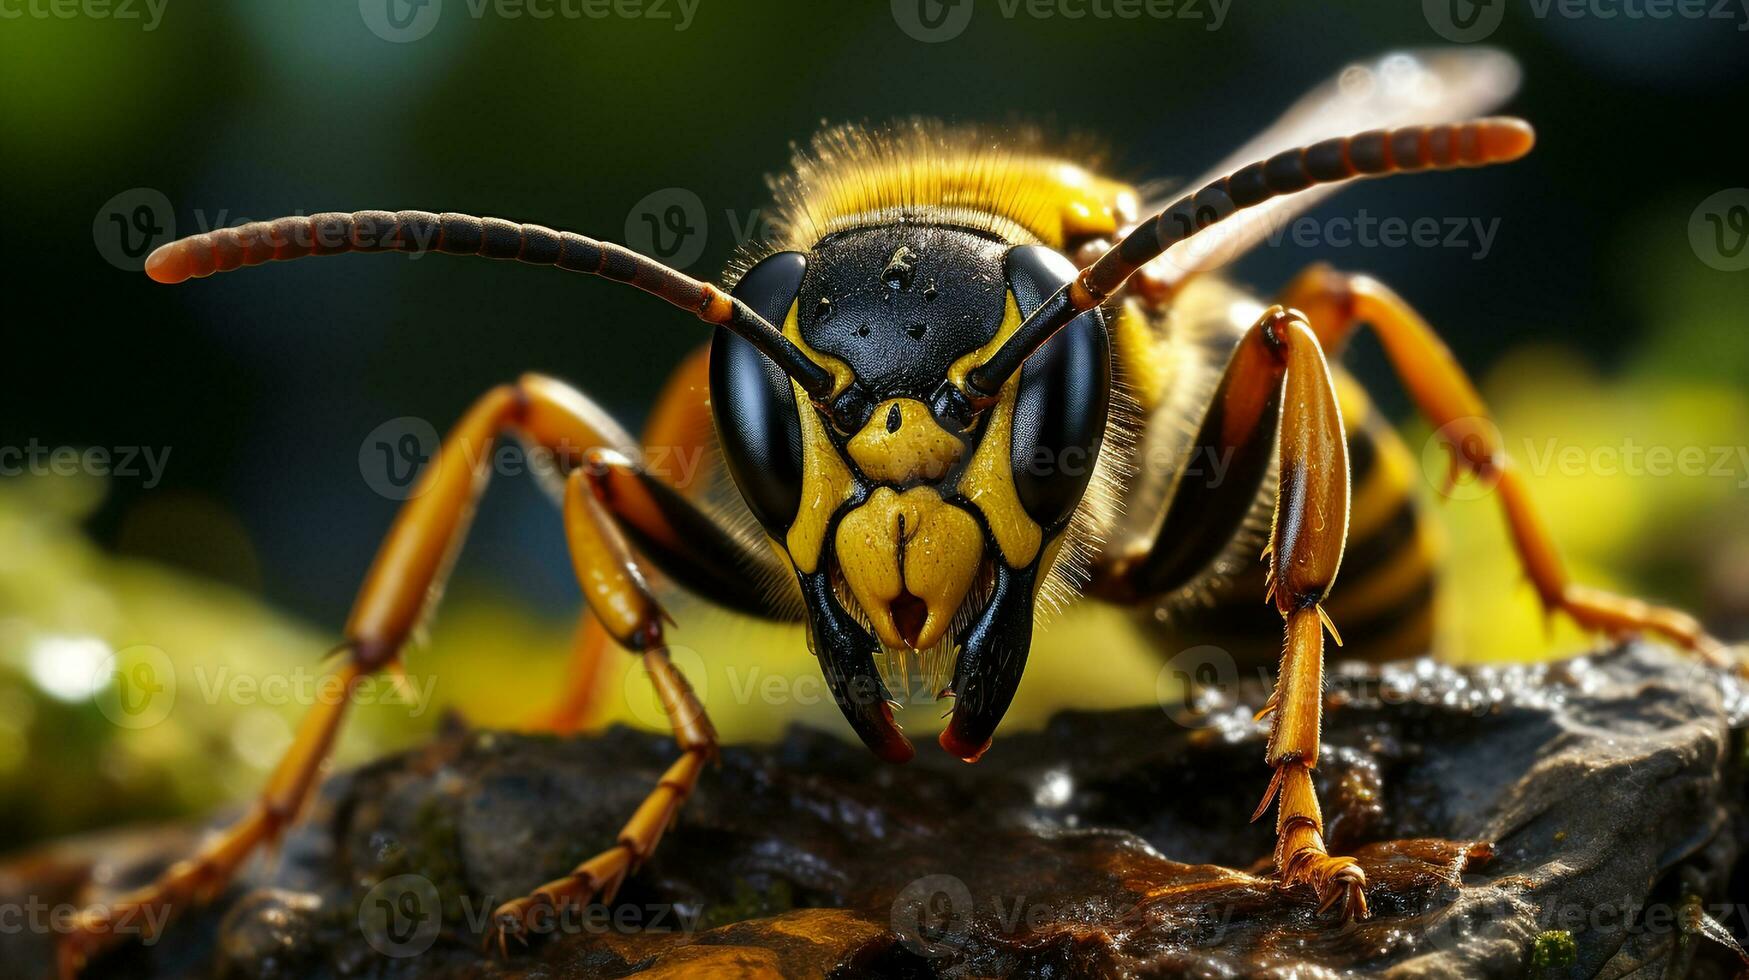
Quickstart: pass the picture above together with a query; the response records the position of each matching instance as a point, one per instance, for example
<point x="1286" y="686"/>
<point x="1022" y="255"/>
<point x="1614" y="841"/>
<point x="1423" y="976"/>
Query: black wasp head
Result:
<point x="916" y="518"/>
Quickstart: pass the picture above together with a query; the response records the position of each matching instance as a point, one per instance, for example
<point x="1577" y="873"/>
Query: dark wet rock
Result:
<point x="1568" y="821"/>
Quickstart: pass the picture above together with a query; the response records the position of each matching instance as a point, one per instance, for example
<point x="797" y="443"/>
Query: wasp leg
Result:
<point x="1277" y="378"/>
<point x="585" y="675"/>
<point x="679" y="431"/>
<point x="397" y="594"/>
<point x="1335" y="303"/>
<point x="1305" y="551"/>
<point x="624" y="605"/>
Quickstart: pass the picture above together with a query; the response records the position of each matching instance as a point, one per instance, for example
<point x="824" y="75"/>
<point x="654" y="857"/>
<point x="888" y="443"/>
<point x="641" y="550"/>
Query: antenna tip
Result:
<point x="168" y="263"/>
<point x="1506" y="138"/>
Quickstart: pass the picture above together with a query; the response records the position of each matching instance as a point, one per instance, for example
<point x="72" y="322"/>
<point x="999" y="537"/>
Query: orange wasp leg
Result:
<point x="1336" y="303"/>
<point x="579" y="702"/>
<point x="621" y="600"/>
<point x="1305" y="550"/>
<point x="399" y="592"/>
<point x="680" y="426"/>
<point x="1280" y="358"/>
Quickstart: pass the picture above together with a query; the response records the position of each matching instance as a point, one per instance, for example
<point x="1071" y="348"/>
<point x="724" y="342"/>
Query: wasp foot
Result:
<point x="1300" y="856"/>
<point x="1597" y="611"/>
<point x="538" y="912"/>
<point x="1337" y="881"/>
<point x="599" y="877"/>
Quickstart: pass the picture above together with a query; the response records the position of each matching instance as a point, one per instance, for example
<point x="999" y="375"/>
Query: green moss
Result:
<point x="430" y="850"/>
<point x="437" y="844"/>
<point x="750" y="903"/>
<point x="1553" y="950"/>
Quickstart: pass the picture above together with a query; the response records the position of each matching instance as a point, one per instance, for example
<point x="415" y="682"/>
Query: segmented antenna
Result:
<point x="1376" y="153"/>
<point x="463" y="234"/>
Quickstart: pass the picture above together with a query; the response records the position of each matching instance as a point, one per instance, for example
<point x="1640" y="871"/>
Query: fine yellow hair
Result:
<point x="1004" y="182"/>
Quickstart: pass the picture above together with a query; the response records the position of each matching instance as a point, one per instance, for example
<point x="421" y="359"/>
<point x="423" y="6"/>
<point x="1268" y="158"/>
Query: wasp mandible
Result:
<point x="938" y="392"/>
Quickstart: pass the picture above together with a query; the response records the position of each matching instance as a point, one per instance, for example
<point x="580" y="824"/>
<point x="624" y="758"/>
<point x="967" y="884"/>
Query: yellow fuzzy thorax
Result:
<point x="1003" y="183"/>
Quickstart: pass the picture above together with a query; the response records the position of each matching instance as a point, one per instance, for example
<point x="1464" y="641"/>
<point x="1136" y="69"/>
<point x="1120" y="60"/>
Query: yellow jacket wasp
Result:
<point x="942" y="393"/>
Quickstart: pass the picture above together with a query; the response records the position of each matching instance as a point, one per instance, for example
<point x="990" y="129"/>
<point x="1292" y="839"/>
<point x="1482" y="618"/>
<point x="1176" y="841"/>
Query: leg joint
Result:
<point x="1276" y="326"/>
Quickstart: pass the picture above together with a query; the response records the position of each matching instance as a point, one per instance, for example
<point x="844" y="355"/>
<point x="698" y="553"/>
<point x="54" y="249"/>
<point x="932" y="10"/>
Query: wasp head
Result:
<point x="919" y="519"/>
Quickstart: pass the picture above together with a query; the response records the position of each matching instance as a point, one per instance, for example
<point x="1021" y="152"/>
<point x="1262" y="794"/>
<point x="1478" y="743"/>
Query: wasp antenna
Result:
<point x="1375" y="153"/>
<point x="418" y="232"/>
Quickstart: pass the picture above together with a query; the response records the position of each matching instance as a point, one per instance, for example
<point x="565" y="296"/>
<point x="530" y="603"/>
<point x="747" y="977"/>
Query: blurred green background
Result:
<point x="1592" y="320"/>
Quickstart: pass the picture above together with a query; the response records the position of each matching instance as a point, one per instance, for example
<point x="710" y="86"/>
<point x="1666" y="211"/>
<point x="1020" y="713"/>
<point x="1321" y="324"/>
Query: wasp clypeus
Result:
<point x="932" y="392"/>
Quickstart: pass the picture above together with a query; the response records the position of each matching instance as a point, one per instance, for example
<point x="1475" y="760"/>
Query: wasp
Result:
<point x="965" y="384"/>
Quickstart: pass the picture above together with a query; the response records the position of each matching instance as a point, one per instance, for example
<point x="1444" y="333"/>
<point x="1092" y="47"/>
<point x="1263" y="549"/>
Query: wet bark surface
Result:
<point x="1574" y="820"/>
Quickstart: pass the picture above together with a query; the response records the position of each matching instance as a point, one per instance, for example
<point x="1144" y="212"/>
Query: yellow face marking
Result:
<point x="902" y="443"/>
<point x="841" y="373"/>
<point x="1053" y="548"/>
<point x="911" y="543"/>
<point x="826" y="481"/>
<point x="957" y="371"/>
<point x="988" y="481"/>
